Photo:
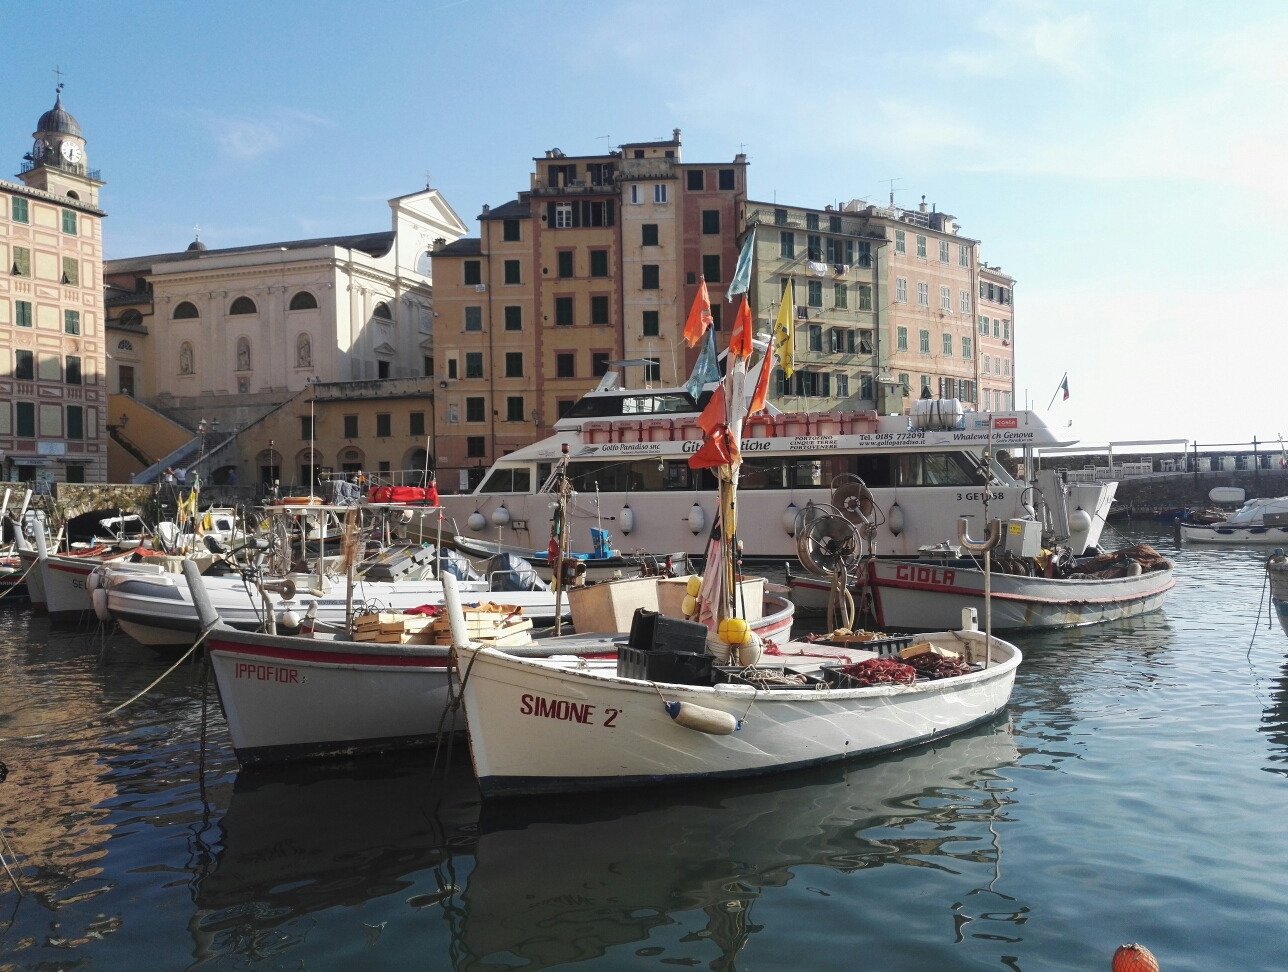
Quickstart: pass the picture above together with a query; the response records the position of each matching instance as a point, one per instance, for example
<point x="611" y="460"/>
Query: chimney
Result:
<point x="675" y="135"/>
<point x="922" y="207"/>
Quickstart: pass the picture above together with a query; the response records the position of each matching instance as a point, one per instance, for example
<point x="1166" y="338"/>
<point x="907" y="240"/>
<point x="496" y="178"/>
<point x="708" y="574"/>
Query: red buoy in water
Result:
<point x="1134" y="958"/>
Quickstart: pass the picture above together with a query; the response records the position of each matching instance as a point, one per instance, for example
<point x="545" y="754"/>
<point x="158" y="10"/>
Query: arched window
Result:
<point x="243" y="354"/>
<point x="72" y="194"/>
<point x="185" y="310"/>
<point x="304" y="301"/>
<point x="423" y="263"/>
<point x="131" y="318"/>
<point x="187" y="365"/>
<point x="243" y="305"/>
<point x="124" y="346"/>
<point x="382" y="312"/>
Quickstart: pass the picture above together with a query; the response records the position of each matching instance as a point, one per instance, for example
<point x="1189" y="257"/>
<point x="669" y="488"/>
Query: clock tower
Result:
<point x="57" y="161"/>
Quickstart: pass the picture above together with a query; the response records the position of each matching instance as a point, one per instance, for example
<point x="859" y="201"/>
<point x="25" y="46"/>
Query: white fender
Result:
<point x="99" y="599"/>
<point x="895" y="518"/>
<point x="476" y="522"/>
<point x="700" y="718"/>
<point x="627" y="519"/>
<point x="789" y="519"/>
<point x="500" y="516"/>
<point x="697" y="518"/>
<point x="93" y="581"/>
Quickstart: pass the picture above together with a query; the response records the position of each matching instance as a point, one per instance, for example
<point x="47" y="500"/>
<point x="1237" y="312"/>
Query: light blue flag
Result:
<point x="707" y="368"/>
<point x="741" y="282"/>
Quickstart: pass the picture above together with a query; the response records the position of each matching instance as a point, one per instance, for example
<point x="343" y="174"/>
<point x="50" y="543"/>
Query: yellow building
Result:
<point x="52" y="390"/>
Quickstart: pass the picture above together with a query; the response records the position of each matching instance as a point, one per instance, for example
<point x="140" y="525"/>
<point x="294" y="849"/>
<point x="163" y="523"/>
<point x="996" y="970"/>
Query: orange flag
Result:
<point x="713" y="415"/>
<point x="699" y="315"/>
<point x="740" y="339"/>
<point x="761" y="394"/>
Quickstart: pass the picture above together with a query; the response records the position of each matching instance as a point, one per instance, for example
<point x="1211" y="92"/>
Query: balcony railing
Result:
<point x="574" y="188"/>
<point x="56" y="162"/>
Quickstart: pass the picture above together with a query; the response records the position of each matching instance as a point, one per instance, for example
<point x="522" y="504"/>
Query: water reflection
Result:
<point x="558" y="881"/>
<point x="1279" y="595"/>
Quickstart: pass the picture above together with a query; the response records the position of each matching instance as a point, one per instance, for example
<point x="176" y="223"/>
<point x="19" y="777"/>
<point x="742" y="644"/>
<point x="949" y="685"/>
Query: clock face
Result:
<point x="71" y="151"/>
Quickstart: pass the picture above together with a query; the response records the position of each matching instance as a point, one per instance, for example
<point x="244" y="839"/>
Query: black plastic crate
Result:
<point x="673" y="667"/>
<point x="728" y="675"/>
<point x="882" y="647"/>
<point x="651" y="631"/>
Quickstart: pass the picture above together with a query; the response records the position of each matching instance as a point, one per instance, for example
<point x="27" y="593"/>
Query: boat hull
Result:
<point x="285" y="700"/>
<point x="546" y="727"/>
<point x="35" y="578"/>
<point x="157" y="609"/>
<point x="1224" y="533"/>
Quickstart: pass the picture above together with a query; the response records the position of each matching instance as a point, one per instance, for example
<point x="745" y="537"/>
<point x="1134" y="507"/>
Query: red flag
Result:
<point x="761" y="394"/>
<point x="718" y="450"/>
<point x="740" y="339"/>
<point x="699" y="315"/>
<point x="713" y="416"/>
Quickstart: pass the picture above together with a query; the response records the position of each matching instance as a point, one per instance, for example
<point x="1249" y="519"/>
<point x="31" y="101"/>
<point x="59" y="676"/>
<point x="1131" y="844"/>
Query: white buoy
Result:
<point x="500" y="516"/>
<point x="1079" y="520"/>
<point x="627" y="519"/>
<point x="701" y="719"/>
<point x="92" y="582"/>
<point x="476" y="521"/>
<point x="789" y="519"/>
<point x="697" y="518"/>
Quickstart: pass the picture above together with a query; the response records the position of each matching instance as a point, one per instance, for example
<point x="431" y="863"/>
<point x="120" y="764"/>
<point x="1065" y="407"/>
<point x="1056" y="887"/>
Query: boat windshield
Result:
<point x="908" y="469"/>
<point x="511" y="479"/>
<point x="606" y="406"/>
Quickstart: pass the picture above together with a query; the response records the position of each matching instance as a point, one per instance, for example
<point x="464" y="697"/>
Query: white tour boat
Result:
<point x="628" y="455"/>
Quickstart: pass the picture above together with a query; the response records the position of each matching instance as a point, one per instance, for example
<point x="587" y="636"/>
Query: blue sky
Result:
<point x="1125" y="161"/>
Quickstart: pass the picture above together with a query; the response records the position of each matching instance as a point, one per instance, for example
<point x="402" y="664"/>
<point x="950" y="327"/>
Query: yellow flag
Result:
<point x="783" y="332"/>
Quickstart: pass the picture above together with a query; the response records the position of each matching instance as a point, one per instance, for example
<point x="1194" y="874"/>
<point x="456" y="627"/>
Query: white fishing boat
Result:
<point x="61" y="586"/>
<point x="628" y="452"/>
<point x="547" y="725"/>
<point x="566" y="724"/>
<point x="603" y="564"/>
<point x="1261" y="520"/>
<point x="910" y="594"/>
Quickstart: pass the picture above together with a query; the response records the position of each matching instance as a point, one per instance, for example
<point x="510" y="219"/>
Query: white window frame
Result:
<point x="563" y="215"/>
<point x="923" y="341"/>
<point x="943" y="251"/>
<point x="900" y="242"/>
<point x="948" y="345"/>
<point x="986" y="365"/>
<point x="983" y="325"/>
<point x="946" y="299"/>
<point x="964" y="301"/>
<point x="635" y="194"/>
<point x="659" y="193"/>
<point x="923" y="294"/>
<point x="901" y="338"/>
<point x="967" y="347"/>
<point x="963" y="255"/>
<point x="901" y="290"/>
<point x="921" y="247"/>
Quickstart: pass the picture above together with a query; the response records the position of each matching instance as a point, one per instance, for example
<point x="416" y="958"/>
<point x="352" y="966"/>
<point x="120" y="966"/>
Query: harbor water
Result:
<point x="1134" y="792"/>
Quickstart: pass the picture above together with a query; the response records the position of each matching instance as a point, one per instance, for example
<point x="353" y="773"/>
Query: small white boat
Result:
<point x="548" y="725"/>
<point x="288" y="696"/>
<point x="1262" y="520"/>
<point x="910" y="594"/>
<point x="1277" y="568"/>
<point x="155" y="607"/>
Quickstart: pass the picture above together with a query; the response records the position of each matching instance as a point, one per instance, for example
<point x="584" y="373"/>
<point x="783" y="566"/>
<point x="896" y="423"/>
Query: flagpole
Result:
<point x="1057" y="390"/>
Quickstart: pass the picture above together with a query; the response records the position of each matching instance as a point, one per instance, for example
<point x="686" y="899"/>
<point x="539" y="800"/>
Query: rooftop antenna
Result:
<point x="892" y="189"/>
<point x="608" y="142"/>
<point x="196" y="231"/>
<point x="426" y="178"/>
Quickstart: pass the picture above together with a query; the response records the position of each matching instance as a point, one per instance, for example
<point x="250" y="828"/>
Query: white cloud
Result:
<point x="246" y="139"/>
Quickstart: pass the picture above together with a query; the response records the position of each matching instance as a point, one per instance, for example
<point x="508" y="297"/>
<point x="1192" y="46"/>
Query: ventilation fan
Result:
<point x="827" y="544"/>
<point x="851" y="496"/>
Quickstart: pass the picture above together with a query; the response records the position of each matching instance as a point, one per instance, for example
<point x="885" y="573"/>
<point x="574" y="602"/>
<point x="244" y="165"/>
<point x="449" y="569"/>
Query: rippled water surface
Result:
<point x="1135" y="792"/>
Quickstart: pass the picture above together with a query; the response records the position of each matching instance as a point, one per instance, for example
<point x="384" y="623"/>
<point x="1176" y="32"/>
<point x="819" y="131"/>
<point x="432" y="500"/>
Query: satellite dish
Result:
<point x="827" y="544"/>
<point x="854" y="500"/>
